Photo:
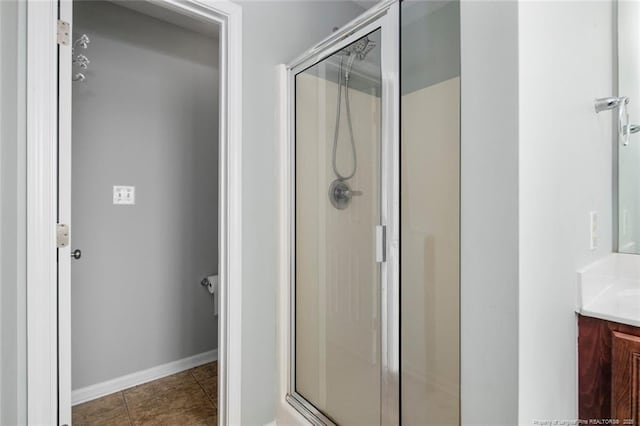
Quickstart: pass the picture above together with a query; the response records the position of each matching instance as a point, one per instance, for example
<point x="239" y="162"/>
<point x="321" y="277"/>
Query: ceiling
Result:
<point x="365" y="4"/>
<point x="157" y="11"/>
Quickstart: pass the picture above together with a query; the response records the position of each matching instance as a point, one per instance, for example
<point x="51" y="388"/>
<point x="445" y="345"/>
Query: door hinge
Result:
<point x="63" y="33"/>
<point x="381" y="243"/>
<point x="62" y="235"/>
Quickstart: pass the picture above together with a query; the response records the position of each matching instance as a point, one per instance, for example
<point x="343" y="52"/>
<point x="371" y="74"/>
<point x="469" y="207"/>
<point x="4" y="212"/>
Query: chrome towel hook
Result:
<point x="78" y="59"/>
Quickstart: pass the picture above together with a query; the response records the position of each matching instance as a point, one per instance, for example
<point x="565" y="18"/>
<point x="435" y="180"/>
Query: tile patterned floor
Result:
<point x="187" y="398"/>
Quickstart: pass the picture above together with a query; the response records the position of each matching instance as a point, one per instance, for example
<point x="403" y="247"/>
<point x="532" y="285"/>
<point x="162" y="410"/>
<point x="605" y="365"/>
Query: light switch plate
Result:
<point x="124" y="195"/>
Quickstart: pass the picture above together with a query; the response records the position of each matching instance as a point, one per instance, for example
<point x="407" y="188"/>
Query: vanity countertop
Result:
<point x="609" y="289"/>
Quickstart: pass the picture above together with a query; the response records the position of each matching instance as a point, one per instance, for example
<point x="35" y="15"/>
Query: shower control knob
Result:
<point x="340" y="194"/>
<point x="76" y="254"/>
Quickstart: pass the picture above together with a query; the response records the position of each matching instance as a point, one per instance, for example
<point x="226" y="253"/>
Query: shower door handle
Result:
<point x="381" y="243"/>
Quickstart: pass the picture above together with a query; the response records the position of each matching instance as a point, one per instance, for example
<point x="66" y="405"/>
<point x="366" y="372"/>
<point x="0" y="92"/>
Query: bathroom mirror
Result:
<point x="627" y="204"/>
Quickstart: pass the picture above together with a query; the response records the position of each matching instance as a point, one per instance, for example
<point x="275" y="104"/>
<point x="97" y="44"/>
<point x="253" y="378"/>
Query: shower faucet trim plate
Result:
<point x="340" y="194"/>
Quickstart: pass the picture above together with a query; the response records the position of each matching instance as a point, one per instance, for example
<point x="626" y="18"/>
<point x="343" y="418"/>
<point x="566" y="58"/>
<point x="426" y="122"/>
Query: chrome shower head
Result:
<point x="359" y="48"/>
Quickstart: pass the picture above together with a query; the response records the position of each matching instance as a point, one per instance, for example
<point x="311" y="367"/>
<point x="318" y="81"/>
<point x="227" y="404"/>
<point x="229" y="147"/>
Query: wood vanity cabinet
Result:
<point x="608" y="371"/>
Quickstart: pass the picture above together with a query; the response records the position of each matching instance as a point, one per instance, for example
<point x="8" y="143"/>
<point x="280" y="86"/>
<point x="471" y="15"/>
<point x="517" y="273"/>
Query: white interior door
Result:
<point x="65" y="8"/>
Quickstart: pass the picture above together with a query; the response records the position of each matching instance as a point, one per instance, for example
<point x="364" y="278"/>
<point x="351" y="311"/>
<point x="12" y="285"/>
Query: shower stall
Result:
<point x="374" y="203"/>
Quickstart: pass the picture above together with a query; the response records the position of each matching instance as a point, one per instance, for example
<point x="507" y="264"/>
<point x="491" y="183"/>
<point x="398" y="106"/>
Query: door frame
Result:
<point x="384" y="15"/>
<point x="45" y="136"/>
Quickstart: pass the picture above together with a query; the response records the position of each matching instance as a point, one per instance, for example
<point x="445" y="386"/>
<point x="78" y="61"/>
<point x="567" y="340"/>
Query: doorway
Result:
<point x="144" y="205"/>
<point x="49" y="195"/>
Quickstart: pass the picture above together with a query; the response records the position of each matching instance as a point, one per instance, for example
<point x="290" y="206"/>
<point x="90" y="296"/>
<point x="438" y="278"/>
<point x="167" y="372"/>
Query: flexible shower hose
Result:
<point x="337" y="127"/>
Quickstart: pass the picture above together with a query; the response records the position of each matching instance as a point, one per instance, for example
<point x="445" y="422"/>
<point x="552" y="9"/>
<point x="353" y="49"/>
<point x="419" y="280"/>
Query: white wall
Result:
<point x="273" y="33"/>
<point x="565" y="172"/>
<point x="147" y="115"/>
<point x="489" y="213"/>
<point x="12" y="213"/>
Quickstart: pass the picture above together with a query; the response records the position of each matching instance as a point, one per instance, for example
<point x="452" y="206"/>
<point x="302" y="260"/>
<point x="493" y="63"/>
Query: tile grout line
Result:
<point x="203" y="390"/>
<point x="215" y="405"/>
<point x="127" y="407"/>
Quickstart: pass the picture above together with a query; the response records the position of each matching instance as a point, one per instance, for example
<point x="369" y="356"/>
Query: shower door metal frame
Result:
<point x="384" y="16"/>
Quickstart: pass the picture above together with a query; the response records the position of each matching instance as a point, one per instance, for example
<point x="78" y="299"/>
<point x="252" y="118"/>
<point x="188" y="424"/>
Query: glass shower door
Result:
<point x="361" y="170"/>
<point x="337" y="210"/>
<point x="342" y="372"/>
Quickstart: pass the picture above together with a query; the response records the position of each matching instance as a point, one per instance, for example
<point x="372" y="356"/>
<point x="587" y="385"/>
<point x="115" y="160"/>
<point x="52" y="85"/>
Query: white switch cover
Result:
<point x="593" y="224"/>
<point x="124" y="195"/>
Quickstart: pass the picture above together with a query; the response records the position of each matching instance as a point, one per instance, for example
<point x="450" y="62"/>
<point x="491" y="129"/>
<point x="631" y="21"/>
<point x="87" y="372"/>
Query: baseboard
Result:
<point x="88" y="393"/>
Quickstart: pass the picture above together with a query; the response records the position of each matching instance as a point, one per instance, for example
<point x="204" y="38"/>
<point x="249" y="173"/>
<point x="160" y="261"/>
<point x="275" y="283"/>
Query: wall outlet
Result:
<point x="593" y="230"/>
<point x="124" y="195"/>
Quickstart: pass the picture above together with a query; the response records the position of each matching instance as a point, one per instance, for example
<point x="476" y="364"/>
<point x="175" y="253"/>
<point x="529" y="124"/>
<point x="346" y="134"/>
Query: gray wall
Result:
<point x="489" y="218"/>
<point x="146" y="116"/>
<point x="273" y="33"/>
<point x="12" y="213"/>
<point x="430" y="38"/>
